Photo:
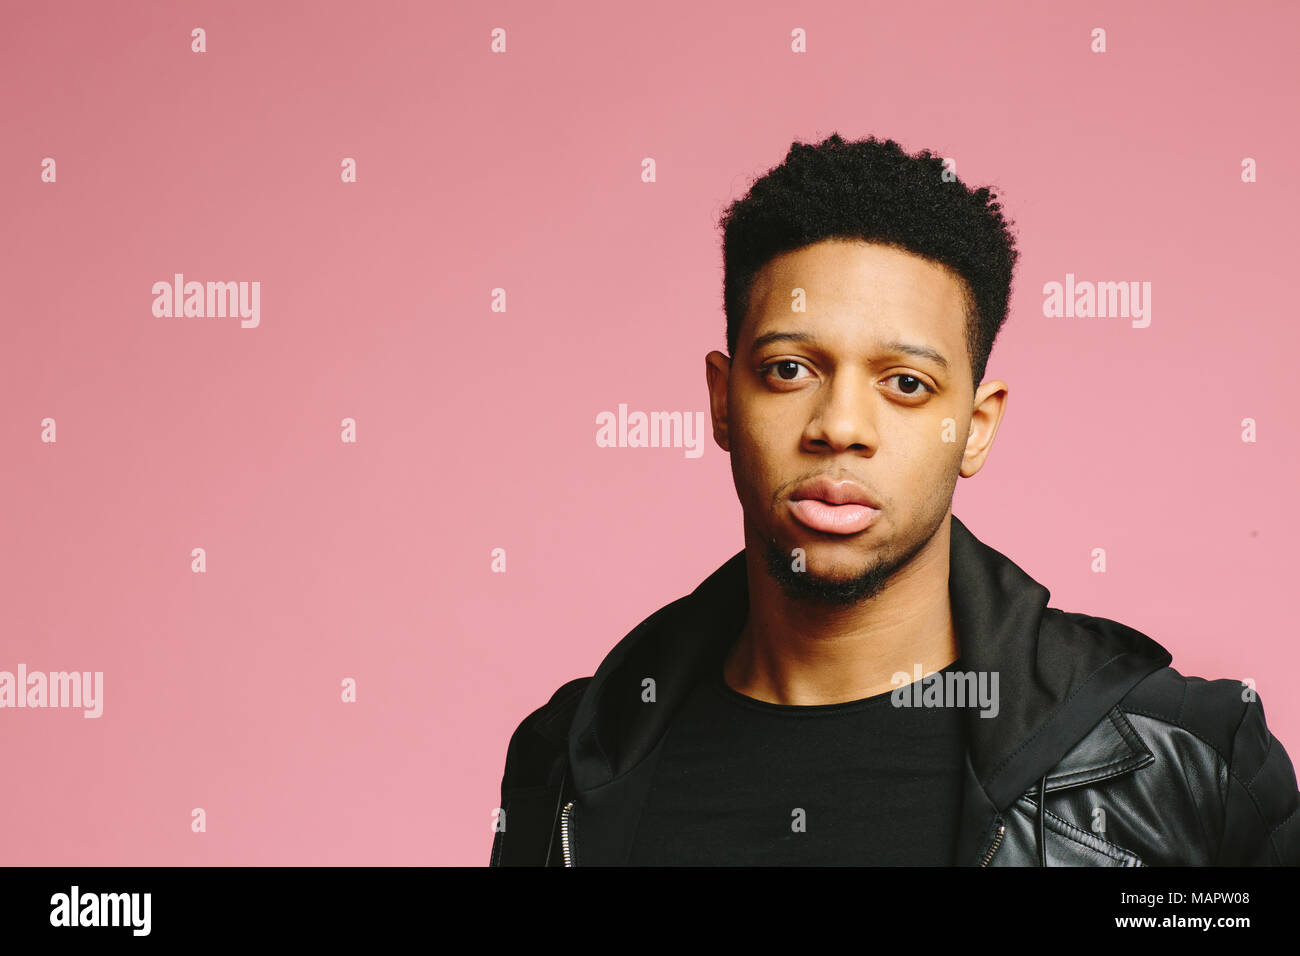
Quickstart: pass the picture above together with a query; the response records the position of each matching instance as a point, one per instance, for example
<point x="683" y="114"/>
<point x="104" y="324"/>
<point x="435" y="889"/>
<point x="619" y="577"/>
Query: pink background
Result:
<point x="476" y="429"/>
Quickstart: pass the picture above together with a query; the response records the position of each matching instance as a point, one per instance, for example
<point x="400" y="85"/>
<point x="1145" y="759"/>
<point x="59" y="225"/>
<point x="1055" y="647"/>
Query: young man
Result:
<point x="866" y="682"/>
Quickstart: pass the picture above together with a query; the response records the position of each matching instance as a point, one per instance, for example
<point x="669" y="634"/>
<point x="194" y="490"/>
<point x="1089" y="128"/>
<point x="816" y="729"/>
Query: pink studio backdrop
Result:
<point x="475" y="429"/>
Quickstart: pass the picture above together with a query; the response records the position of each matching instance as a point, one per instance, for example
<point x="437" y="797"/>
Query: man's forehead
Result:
<point x="861" y="280"/>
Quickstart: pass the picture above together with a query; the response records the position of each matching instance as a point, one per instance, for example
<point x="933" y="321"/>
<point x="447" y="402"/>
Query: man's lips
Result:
<point x="836" y="507"/>
<point x="833" y="519"/>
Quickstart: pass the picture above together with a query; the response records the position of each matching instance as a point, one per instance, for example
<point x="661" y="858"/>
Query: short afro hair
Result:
<point x="873" y="190"/>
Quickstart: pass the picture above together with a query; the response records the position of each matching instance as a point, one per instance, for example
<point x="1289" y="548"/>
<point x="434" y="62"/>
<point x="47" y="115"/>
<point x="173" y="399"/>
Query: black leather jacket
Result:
<point x="1101" y="754"/>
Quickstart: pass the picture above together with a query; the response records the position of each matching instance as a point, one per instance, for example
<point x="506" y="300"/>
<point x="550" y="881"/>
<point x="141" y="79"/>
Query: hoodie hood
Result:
<point x="1059" y="673"/>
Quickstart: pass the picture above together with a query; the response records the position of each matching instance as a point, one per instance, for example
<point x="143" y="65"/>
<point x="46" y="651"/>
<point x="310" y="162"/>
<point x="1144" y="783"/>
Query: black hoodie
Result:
<point x="578" y="769"/>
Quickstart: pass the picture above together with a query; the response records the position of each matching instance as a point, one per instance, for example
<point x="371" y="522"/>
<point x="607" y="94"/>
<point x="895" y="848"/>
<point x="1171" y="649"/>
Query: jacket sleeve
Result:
<point x="1262" y="806"/>
<point x="530" y="783"/>
<point x="522" y="826"/>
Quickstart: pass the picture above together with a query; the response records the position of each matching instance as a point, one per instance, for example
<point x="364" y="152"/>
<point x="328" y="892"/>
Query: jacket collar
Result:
<point x="1060" y="674"/>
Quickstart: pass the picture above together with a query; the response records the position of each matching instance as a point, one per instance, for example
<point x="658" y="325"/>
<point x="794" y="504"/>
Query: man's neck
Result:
<point x="790" y="652"/>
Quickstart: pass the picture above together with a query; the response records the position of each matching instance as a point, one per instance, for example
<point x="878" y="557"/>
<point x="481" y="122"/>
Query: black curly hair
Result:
<point x="873" y="190"/>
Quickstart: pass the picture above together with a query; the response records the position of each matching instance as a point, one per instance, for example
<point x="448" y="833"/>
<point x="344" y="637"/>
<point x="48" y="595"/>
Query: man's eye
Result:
<point x="786" y="370"/>
<point x="910" y="389"/>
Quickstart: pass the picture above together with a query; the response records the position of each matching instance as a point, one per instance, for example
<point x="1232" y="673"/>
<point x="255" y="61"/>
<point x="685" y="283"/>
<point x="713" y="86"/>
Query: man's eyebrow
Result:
<point x="907" y="348"/>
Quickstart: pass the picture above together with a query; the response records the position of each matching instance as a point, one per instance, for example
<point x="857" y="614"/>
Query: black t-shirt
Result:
<point x="744" y="782"/>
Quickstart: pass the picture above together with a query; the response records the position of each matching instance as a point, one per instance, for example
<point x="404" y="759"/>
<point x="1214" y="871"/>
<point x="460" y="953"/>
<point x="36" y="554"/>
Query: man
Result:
<point x="867" y="682"/>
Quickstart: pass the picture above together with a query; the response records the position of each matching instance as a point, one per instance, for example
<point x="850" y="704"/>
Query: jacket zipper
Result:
<point x="565" y="840"/>
<point x="993" y="847"/>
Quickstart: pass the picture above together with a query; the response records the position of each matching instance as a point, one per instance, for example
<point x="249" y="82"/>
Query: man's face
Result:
<point x="847" y="399"/>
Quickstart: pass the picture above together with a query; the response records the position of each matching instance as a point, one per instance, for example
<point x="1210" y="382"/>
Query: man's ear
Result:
<point x="717" y="371"/>
<point x="990" y="404"/>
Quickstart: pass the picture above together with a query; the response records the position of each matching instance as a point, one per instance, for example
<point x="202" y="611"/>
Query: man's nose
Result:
<point x="846" y="415"/>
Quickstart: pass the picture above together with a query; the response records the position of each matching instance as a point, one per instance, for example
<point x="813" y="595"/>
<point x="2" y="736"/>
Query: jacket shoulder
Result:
<point x="1261" y="800"/>
<point x="1211" y="710"/>
<point x="541" y="737"/>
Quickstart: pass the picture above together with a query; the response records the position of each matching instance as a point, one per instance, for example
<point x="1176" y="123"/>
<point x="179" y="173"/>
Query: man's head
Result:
<point x="863" y="289"/>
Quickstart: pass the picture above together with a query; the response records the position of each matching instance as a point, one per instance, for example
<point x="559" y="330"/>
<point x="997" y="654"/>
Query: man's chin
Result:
<point x="824" y="573"/>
